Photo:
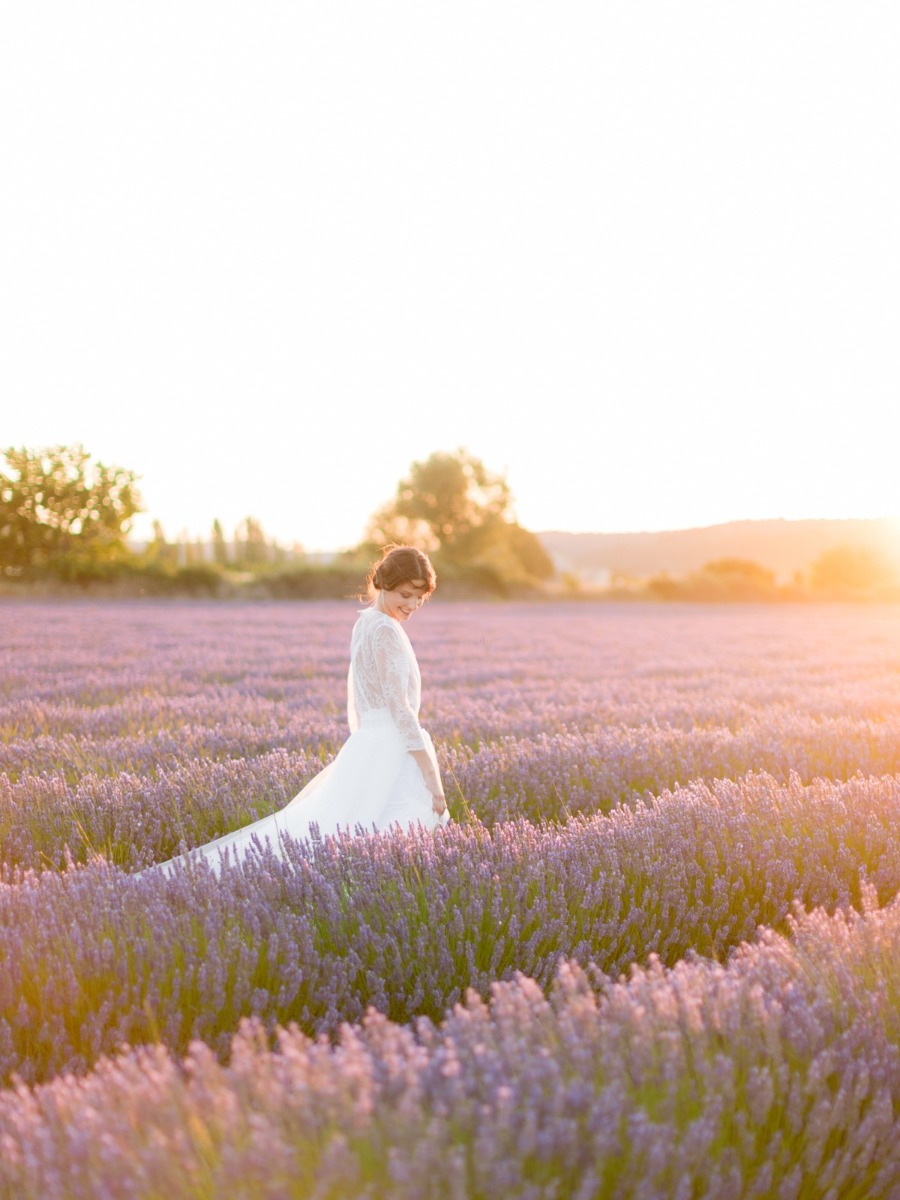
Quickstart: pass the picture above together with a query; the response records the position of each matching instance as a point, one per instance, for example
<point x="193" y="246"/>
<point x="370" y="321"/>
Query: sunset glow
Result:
<point x="643" y="258"/>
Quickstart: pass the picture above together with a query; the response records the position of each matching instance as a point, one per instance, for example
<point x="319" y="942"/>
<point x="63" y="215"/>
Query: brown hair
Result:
<point x="399" y="565"/>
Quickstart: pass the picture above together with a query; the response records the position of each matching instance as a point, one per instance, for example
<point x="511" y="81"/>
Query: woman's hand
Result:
<point x="432" y="780"/>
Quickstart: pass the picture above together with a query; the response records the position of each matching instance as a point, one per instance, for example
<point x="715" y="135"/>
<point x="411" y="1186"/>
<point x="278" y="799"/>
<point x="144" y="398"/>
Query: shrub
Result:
<point x="776" y="1075"/>
<point x="93" y="958"/>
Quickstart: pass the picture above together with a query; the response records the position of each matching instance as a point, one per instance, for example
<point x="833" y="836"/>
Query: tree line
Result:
<point x="66" y="517"/>
<point x="843" y="572"/>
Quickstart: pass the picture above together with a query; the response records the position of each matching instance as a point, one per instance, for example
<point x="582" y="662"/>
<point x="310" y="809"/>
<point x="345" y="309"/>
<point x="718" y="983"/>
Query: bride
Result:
<point x="386" y="773"/>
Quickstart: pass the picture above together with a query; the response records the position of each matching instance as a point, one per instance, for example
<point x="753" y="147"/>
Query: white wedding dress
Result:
<point x="373" y="782"/>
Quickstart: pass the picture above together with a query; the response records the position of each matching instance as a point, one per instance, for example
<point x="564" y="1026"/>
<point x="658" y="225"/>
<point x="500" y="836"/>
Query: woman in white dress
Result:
<point x="386" y="773"/>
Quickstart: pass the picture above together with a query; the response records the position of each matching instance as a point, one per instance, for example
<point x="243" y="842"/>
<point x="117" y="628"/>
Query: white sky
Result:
<point x="644" y="256"/>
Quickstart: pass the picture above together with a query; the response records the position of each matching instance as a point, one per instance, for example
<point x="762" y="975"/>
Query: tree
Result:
<point x="447" y="503"/>
<point x="251" y="548"/>
<point x="529" y="551"/>
<point x="847" y="572"/>
<point x="185" y="549"/>
<point x="56" y="504"/>
<point x="741" y="571"/>
<point x="159" y="550"/>
<point x="219" y="547"/>
<point x="453" y="505"/>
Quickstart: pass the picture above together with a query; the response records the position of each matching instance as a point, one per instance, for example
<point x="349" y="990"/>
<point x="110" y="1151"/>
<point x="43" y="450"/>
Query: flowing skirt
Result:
<point x="373" y="783"/>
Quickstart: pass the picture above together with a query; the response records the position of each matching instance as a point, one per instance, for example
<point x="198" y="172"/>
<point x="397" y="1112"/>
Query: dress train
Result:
<point x="373" y="783"/>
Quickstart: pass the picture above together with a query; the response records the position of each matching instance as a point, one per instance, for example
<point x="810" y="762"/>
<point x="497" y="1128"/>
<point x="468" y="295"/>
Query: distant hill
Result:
<point x="782" y="546"/>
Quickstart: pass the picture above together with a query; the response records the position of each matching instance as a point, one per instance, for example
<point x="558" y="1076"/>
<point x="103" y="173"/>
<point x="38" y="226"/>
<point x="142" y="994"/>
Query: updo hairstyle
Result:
<point x="399" y="565"/>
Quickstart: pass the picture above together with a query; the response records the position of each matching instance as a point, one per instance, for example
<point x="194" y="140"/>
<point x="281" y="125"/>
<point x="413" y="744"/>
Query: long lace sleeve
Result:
<point x="392" y="662"/>
<point x="352" y="710"/>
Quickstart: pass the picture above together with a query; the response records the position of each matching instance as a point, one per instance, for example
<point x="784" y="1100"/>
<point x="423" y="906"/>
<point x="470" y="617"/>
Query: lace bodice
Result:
<point x="384" y="675"/>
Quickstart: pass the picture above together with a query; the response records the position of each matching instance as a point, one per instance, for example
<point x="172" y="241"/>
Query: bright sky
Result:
<point x="642" y="256"/>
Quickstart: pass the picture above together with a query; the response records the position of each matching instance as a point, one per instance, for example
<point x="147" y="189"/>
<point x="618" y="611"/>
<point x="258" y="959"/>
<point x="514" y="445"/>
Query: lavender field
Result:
<point x="657" y="953"/>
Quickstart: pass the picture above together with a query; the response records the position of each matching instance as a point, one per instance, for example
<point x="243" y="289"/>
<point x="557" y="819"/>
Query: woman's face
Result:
<point x="404" y="600"/>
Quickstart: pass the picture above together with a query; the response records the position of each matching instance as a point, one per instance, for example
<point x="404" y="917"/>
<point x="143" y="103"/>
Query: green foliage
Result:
<point x="58" y="508"/>
<point x="454" y="507"/>
<point x="527" y="551"/>
<point x="198" y="579"/>
<point x="335" y="581"/>
<point x="220" y="548"/>
<point x="250" y="546"/>
<point x="160" y="552"/>
<point x="447" y="503"/>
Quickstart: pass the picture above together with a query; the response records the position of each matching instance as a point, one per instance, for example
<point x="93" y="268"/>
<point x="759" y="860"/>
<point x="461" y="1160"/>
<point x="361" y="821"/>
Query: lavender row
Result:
<point x="777" y="1075"/>
<point x="555" y="776"/>
<point x="465" y="712"/>
<point x="134" y="820"/>
<point x="174" y="787"/>
<point x="787" y="741"/>
<point x="69" y="756"/>
<point x="120" y="670"/>
<point x="538" y="711"/>
<point x="220" y="715"/>
<point x="93" y="958"/>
